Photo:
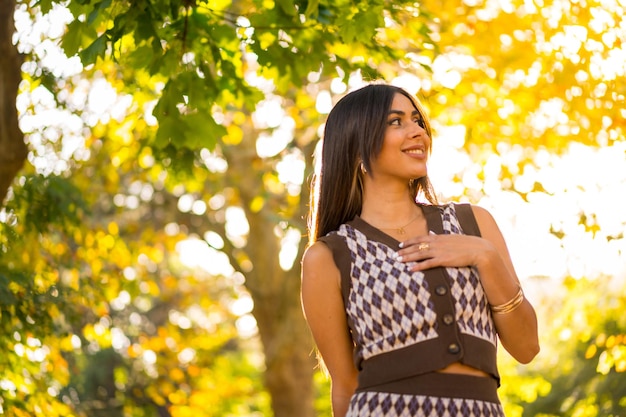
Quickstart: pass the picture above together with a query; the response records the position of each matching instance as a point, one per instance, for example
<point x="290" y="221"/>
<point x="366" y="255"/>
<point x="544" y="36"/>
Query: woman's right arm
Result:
<point x="325" y="313"/>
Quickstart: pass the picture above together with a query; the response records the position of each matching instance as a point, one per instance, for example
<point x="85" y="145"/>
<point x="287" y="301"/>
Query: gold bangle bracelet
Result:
<point x="510" y="305"/>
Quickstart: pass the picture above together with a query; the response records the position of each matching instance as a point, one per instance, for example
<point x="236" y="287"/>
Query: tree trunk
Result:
<point x="287" y="343"/>
<point x="13" y="150"/>
<point x="288" y="351"/>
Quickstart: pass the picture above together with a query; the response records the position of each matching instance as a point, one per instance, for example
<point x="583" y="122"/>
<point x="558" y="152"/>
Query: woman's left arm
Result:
<point x="517" y="327"/>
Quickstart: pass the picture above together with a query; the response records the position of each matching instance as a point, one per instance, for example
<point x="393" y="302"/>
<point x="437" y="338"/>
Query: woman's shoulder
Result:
<point x="483" y="216"/>
<point x="316" y="251"/>
<point x="327" y="245"/>
<point x="478" y="215"/>
<point x="318" y="266"/>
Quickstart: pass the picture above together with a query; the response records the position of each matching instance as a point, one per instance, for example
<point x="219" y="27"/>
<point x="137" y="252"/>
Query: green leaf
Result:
<point x="312" y="8"/>
<point x="194" y="132"/>
<point x="145" y="29"/>
<point x="123" y="24"/>
<point x="287" y="7"/>
<point x="78" y="35"/>
<point x="169" y="128"/>
<point x="201" y="131"/>
<point x="97" y="49"/>
<point x="143" y="56"/>
<point x="44" y="5"/>
<point x="46" y="201"/>
<point x="365" y="23"/>
<point x="97" y="10"/>
<point x="167" y="103"/>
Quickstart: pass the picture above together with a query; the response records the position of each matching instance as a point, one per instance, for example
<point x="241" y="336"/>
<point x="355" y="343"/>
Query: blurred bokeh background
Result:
<point x="155" y="158"/>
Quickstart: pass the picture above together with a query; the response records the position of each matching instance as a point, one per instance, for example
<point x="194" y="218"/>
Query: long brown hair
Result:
<point x="353" y="135"/>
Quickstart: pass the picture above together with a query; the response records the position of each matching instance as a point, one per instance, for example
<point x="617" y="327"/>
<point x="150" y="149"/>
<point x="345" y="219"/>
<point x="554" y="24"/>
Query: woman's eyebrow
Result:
<point x="402" y="113"/>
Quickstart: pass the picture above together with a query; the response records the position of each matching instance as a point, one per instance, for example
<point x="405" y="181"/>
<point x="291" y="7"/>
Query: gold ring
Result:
<point x="423" y="246"/>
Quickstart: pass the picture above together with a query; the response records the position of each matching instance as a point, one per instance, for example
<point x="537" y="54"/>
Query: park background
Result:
<point x="154" y="166"/>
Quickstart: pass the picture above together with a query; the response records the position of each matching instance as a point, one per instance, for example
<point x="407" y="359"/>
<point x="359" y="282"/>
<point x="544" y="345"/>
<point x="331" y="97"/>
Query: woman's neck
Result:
<point x="388" y="206"/>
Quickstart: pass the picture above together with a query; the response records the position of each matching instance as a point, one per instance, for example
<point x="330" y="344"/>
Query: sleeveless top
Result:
<point x="406" y="323"/>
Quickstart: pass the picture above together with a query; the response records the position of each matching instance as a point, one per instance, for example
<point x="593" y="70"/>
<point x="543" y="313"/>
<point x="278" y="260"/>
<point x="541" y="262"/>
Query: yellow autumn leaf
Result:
<point x="177" y="397"/>
<point x="185" y="411"/>
<point x="234" y="135"/>
<point x="113" y="228"/>
<point x="177" y="375"/>
<point x="267" y="38"/>
<point x="257" y="204"/>
<point x="591" y="351"/>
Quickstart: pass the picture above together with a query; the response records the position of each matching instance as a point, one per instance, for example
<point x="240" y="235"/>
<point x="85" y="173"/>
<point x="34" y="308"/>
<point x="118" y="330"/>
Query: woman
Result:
<point x="405" y="300"/>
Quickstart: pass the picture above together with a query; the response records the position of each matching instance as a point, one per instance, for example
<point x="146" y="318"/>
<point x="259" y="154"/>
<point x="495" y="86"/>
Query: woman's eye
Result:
<point x="395" y="122"/>
<point x="421" y="123"/>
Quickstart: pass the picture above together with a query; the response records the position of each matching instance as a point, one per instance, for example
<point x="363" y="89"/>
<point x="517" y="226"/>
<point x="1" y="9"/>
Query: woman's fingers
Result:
<point x="440" y="250"/>
<point x="415" y="249"/>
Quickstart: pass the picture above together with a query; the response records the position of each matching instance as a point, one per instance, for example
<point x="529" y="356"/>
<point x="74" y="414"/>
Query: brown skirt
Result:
<point x="430" y="395"/>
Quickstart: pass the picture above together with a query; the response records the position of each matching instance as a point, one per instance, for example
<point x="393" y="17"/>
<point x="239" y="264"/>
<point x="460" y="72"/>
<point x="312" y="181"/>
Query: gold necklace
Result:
<point x="400" y="230"/>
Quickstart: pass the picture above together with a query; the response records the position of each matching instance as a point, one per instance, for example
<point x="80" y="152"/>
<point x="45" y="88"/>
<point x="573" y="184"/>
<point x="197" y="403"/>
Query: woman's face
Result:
<point x="405" y="146"/>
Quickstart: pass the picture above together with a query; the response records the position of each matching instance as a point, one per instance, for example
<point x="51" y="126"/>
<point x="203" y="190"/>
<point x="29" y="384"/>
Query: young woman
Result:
<point x="405" y="299"/>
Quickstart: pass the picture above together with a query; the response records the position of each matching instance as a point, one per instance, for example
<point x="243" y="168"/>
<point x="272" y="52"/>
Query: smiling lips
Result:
<point x="414" y="151"/>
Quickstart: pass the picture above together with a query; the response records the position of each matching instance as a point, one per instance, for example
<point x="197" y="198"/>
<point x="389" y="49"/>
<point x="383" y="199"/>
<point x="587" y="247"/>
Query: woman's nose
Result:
<point x="417" y="130"/>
